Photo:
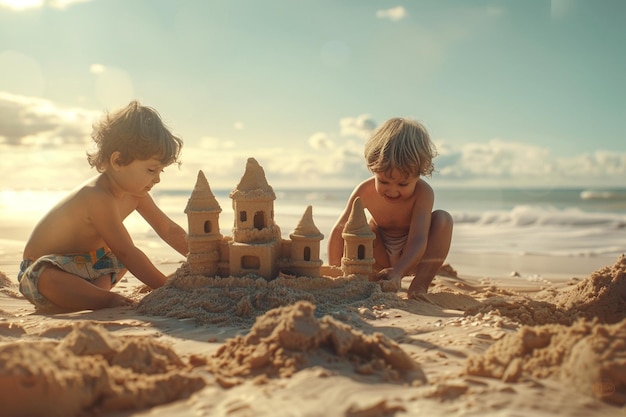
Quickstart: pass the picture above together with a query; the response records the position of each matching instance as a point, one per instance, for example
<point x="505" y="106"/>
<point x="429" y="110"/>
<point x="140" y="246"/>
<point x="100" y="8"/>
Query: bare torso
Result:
<point x="67" y="228"/>
<point x="395" y="218"/>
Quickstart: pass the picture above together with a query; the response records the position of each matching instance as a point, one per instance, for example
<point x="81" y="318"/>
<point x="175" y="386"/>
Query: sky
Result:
<point x="514" y="93"/>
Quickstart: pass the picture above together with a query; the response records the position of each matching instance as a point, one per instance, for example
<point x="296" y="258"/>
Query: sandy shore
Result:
<point x="501" y="336"/>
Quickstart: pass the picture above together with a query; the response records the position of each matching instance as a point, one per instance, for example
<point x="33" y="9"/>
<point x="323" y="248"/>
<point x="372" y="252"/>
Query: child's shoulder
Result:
<point x="90" y="191"/>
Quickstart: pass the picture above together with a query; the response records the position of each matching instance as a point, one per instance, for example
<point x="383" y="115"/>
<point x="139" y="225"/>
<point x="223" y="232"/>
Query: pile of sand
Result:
<point x="579" y="339"/>
<point x="290" y="338"/>
<point x="90" y="370"/>
<point x="237" y="301"/>
<point x="588" y="356"/>
<point x="5" y="281"/>
<point x="602" y="296"/>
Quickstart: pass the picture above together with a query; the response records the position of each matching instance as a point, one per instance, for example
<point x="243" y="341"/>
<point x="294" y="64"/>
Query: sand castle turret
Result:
<point x="305" y="246"/>
<point x="358" y="250"/>
<point x="204" y="236"/>
<point x="256" y="238"/>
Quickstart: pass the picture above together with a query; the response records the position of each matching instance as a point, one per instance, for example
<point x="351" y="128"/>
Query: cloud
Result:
<point x="393" y="14"/>
<point x="321" y="140"/>
<point x="361" y="126"/>
<point x="37" y="122"/>
<point x="213" y="143"/>
<point x="45" y="147"/>
<point x="515" y="163"/>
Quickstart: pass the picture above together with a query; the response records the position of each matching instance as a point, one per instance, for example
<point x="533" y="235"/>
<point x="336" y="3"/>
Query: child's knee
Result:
<point x="442" y="220"/>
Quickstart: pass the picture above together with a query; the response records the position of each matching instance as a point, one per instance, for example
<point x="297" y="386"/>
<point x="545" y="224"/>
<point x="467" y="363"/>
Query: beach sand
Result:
<point x="487" y="340"/>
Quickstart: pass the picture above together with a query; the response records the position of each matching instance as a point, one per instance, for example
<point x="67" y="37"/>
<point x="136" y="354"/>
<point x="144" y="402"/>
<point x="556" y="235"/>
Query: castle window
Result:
<point x="243" y="216"/>
<point x="361" y="252"/>
<point x="208" y="227"/>
<point x="250" y="262"/>
<point x="259" y="220"/>
<point x="307" y="253"/>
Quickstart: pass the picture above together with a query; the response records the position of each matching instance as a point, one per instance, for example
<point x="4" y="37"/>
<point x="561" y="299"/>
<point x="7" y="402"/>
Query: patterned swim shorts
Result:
<point x="88" y="266"/>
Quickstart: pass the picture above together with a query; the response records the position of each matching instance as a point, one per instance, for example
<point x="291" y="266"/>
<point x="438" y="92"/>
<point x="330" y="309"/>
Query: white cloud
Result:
<point x="321" y="140"/>
<point x="515" y="163"/>
<point x="37" y="122"/>
<point x="394" y="14"/>
<point x="213" y="143"/>
<point x="361" y="126"/>
<point x="44" y="147"/>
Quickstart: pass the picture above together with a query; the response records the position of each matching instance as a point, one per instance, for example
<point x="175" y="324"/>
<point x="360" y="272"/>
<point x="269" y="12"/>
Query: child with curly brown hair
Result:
<point x="81" y="249"/>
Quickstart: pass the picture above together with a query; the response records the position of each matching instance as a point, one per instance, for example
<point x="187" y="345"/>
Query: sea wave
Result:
<point x="527" y="216"/>
<point x="602" y="195"/>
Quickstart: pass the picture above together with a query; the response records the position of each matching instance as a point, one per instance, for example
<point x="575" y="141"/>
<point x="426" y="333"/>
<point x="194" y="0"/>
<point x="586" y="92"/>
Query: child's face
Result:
<point x="141" y="175"/>
<point x="396" y="187"/>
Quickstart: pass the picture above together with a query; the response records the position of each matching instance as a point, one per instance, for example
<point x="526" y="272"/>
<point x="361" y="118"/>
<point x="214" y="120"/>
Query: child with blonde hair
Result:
<point x="81" y="249"/>
<point x="411" y="238"/>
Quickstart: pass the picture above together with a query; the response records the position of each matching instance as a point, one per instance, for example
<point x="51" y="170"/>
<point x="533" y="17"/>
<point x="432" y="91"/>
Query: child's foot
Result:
<point x="417" y="293"/>
<point x="119" y="300"/>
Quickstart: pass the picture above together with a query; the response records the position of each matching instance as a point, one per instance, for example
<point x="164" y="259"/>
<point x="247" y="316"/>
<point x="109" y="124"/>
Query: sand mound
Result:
<point x="587" y="356"/>
<point x="5" y="281"/>
<point x="287" y="339"/>
<point x="602" y="296"/>
<point x="90" y="370"/>
<point x="238" y="301"/>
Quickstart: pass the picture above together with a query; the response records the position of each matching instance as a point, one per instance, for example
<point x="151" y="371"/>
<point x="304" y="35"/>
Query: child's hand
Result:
<point x="121" y="301"/>
<point x="382" y="275"/>
<point x="387" y="274"/>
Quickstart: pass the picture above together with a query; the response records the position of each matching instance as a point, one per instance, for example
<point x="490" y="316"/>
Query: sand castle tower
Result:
<point x="256" y="243"/>
<point x="358" y="249"/>
<point x="204" y="236"/>
<point x="305" y="246"/>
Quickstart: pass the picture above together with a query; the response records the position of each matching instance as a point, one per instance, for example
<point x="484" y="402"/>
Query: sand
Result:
<point x="506" y="345"/>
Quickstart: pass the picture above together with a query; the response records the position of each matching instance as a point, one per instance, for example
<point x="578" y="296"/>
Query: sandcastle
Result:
<point x="256" y="246"/>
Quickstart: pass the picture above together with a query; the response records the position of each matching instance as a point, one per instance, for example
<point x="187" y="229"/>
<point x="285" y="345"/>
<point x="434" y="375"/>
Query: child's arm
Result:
<point x="166" y="228"/>
<point x="106" y="218"/>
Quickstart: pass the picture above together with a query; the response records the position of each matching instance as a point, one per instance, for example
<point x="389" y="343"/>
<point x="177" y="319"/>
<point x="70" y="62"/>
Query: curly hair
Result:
<point x="403" y="145"/>
<point x="137" y="132"/>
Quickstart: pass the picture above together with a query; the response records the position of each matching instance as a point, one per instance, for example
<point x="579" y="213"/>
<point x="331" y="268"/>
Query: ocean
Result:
<point x="571" y="223"/>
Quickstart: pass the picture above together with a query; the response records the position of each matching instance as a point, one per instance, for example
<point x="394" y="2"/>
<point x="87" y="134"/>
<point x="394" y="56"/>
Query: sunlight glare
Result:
<point x="21" y="4"/>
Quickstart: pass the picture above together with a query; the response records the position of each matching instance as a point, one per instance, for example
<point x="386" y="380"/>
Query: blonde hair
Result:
<point x="137" y="132"/>
<point x="403" y="145"/>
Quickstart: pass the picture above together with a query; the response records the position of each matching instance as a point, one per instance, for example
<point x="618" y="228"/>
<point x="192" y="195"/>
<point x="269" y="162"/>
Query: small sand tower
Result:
<point x="256" y="243"/>
<point x="358" y="249"/>
<point x="305" y="246"/>
<point x="204" y="236"/>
